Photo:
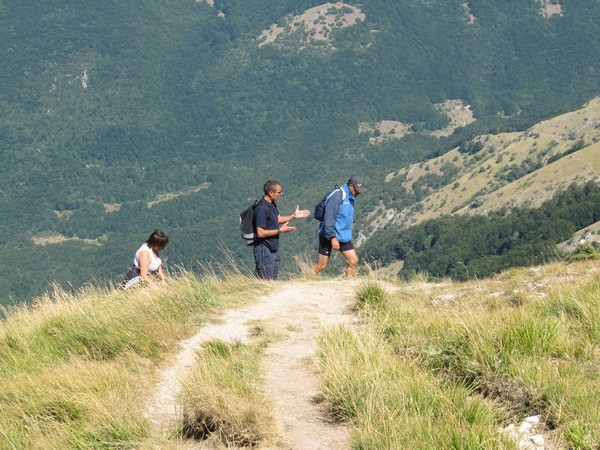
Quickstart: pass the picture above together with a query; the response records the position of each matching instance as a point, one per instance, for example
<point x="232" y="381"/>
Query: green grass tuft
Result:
<point x="447" y="365"/>
<point x="221" y="397"/>
<point x="371" y="295"/>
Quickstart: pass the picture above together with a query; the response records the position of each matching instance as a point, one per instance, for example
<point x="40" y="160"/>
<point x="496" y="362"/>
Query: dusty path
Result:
<point x="299" y="310"/>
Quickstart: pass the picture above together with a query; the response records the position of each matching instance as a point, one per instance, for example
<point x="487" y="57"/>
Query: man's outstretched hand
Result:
<point x="285" y="228"/>
<point x="300" y="213"/>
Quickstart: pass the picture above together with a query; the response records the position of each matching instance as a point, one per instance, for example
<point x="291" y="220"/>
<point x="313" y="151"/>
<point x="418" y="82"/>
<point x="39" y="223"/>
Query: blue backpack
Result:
<point x="320" y="208"/>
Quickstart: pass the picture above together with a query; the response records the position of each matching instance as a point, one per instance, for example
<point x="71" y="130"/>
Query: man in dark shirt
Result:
<point x="269" y="225"/>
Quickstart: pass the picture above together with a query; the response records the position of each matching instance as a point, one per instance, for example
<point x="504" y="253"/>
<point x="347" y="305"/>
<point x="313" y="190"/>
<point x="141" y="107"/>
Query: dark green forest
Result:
<point x="117" y="103"/>
<point x="463" y="247"/>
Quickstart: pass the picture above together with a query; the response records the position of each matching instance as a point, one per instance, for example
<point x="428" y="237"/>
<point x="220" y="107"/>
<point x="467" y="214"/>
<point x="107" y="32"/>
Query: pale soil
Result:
<point x="388" y="129"/>
<point x="460" y="115"/>
<point x="297" y="311"/>
<point x="467" y="8"/>
<point x="317" y="22"/>
<point x="112" y="207"/>
<point x="59" y="238"/>
<point x="548" y="9"/>
<point x="172" y="195"/>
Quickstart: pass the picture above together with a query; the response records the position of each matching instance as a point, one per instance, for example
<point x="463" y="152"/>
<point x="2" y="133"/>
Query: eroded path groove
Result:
<point x="299" y="310"/>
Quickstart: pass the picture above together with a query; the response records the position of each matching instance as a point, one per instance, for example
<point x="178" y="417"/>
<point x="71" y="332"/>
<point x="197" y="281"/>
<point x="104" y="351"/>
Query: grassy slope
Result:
<point x="453" y="362"/>
<point x="75" y="369"/>
<point x="475" y="178"/>
<point x="541" y="185"/>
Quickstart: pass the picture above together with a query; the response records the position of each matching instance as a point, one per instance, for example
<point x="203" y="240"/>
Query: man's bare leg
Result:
<point x="352" y="260"/>
<point x="321" y="264"/>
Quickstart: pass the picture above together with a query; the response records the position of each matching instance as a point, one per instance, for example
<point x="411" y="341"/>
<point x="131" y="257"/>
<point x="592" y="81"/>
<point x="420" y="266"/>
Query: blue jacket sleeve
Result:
<point x="330" y="216"/>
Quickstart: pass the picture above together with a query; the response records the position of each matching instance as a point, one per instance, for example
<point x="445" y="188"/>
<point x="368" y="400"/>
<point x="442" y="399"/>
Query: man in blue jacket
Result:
<point x="335" y="231"/>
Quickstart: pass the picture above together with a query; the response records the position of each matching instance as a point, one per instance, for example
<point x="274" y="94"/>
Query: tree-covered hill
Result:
<point x="106" y="107"/>
<point x="495" y="201"/>
<point x="463" y="247"/>
<point x="494" y="171"/>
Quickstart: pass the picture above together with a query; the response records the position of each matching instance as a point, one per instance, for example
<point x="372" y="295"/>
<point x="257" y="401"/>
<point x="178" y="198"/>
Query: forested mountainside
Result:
<point x="496" y="201"/>
<point x="117" y="118"/>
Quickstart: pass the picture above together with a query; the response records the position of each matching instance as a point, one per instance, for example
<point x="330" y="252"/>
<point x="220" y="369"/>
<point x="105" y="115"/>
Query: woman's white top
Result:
<point x="155" y="261"/>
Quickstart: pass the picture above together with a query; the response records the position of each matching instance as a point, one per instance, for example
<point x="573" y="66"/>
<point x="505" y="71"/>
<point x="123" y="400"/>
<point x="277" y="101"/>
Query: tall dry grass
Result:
<point x="446" y="365"/>
<point x="222" y="399"/>
<point x="433" y="365"/>
<point x="75" y="368"/>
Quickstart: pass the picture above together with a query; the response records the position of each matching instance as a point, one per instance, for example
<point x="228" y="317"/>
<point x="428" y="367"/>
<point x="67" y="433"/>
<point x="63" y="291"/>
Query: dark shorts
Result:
<point x="267" y="262"/>
<point x="325" y="246"/>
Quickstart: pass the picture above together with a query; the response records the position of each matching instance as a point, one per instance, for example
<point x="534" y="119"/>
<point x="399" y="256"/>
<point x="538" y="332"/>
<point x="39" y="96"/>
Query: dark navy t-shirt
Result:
<point x="266" y="216"/>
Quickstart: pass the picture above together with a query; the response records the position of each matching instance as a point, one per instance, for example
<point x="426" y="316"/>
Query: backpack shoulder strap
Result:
<point x="267" y="211"/>
<point x="334" y="191"/>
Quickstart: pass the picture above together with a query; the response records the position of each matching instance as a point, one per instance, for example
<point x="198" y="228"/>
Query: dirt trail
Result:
<point x="299" y="310"/>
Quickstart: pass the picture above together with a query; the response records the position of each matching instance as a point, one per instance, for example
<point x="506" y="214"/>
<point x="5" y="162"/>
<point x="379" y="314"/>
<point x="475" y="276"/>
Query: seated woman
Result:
<point x="147" y="262"/>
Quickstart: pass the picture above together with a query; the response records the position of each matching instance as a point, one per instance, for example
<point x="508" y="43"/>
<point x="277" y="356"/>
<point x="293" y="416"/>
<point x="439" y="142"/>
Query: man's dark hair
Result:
<point x="158" y="237"/>
<point x="270" y="186"/>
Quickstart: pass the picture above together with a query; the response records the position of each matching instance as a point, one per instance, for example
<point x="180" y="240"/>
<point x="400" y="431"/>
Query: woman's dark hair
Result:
<point x="158" y="237"/>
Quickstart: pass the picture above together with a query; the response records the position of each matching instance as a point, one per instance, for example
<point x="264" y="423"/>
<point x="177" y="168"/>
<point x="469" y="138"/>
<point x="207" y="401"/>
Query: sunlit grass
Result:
<point x="75" y="369"/>
<point x="429" y="365"/>
<point x="393" y="403"/>
<point x="221" y="396"/>
<point x="524" y="343"/>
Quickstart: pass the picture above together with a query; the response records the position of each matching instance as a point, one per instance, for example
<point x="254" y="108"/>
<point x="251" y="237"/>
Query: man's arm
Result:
<point x="260" y="218"/>
<point x="330" y="216"/>
<point x="298" y="214"/>
<point x="261" y="233"/>
<point x="260" y="223"/>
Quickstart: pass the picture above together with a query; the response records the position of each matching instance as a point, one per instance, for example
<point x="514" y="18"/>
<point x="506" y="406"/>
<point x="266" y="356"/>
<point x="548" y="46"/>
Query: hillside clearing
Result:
<point x="56" y="238"/>
<point x="317" y="23"/>
<point x="550" y="9"/>
<point x="173" y="195"/>
<point x="459" y="115"/>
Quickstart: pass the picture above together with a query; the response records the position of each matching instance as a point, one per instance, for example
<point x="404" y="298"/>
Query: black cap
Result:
<point x="357" y="182"/>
